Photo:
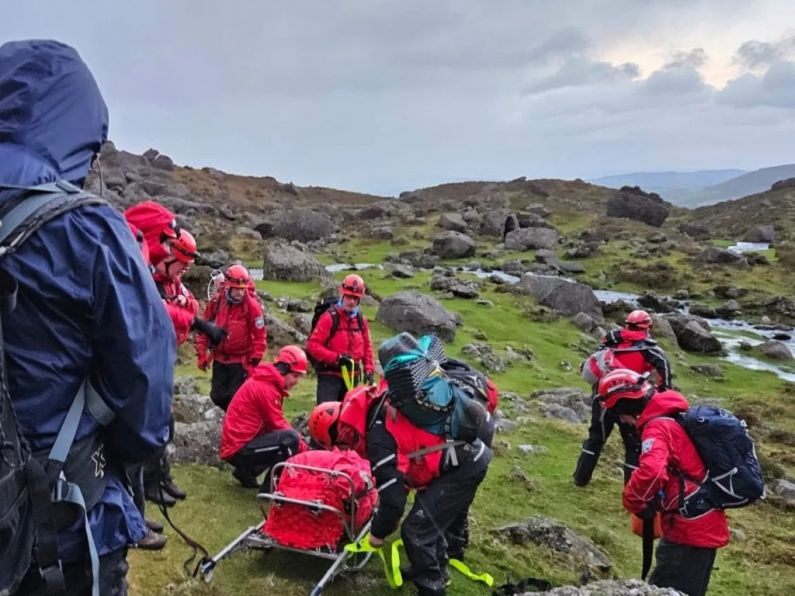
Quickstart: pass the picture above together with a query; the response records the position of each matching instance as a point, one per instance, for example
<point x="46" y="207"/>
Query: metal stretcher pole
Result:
<point x="339" y="564"/>
<point x="207" y="568"/>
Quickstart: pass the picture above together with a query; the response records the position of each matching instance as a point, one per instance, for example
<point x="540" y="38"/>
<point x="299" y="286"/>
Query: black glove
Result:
<point x="613" y="338"/>
<point x="369" y="379"/>
<point x="213" y="332"/>
<point x="344" y="361"/>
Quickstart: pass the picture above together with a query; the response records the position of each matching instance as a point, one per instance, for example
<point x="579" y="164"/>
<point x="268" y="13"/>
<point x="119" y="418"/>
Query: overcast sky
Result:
<point x="384" y="96"/>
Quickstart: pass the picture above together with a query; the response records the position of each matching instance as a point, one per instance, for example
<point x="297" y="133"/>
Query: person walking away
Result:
<point x="632" y="348"/>
<point x="669" y="462"/>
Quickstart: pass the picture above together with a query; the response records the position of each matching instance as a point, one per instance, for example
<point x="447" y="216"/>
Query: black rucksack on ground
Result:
<point x="734" y="475"/>
<point x="327" y="305"/>
<point x="35" y="499"/>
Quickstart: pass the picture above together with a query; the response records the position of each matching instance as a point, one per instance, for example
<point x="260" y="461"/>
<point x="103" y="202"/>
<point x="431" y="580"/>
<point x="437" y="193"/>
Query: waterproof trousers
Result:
<point x="330" y="388"/>
<point x="227" y="379"/>
<point x="264" y="451"/>
<point x="598" y="432"/>
<point x="684" y="568"/>
<point x="112" y="577"/>
<point x="157" y="470"/>
<point x="436" y="511"/>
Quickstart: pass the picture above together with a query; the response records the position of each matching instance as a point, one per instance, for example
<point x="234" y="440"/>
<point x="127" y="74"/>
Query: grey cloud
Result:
<point x="577" y="72"/>
<point x="775" y="88"/>
<point x="695" y="58"/>
<point x="754" y="54"/>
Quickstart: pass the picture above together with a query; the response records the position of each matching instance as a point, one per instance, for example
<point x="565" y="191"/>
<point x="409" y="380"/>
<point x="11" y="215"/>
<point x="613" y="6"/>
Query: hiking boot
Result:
<point x="153" y="525"/>
<point x="245" y="478"/>
<point x="155" y="495"/>
<point x="152" y="541"/>
<point x="173" y="490"/>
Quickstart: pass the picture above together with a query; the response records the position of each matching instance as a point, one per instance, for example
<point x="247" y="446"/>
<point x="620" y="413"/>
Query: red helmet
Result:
<point x="294" y="357"/>
<point x="183" y="248"/>
<point x="352" y="285"/>
<point x="638" y="319"/>
<point x="321" y="422"/>
<point x="237" y="277"/>
<point x="625" y="391"/>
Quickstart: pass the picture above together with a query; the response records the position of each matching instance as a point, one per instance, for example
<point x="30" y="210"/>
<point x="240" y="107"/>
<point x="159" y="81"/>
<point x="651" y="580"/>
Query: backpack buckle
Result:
<point x="53" y="576"/>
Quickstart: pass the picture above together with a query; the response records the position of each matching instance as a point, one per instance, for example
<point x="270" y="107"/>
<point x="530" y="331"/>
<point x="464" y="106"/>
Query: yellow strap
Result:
<point x="346" y="377"/>
<point x="393" y="576"/>
<point x="469" y="574"/>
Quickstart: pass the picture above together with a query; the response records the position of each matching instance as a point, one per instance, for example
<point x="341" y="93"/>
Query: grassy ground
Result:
<point x="763" y="562"/>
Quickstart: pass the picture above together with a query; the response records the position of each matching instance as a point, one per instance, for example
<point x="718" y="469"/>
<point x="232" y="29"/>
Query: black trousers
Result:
<point x="227" y="379"/>
<point x="113" y="569"/>
<point x="684" y="568"/>
<point x="330" y="388"/>
<point x="598" y="432"/>
<point x="265" y="451"/>
<point x="135" y="474"/>
<point x="436" y="511"/>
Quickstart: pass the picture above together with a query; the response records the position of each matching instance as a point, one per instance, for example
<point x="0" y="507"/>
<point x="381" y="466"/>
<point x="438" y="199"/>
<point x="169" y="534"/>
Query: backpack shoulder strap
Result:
<point x="335" y="322"/>
<point x="21" y="217"/>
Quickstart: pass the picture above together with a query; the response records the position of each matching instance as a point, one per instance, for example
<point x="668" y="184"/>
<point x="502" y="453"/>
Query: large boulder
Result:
<point x="555" y="536"/>
<point x="280" y="333"/>
<point x="776" y="350"/>
<point x="693" y="335"/>
<point x="198" y="442"/>
<point x="305" y="225"/>
<point x="453" y="245"/>
<point x="633" y="203"/>
<point x="531" y="238"/>
<point x="610" y="587"/>
<point x="720" y="256"/>
<point x="286" y="262"/>
<point x="568" y="298"/>
<point x="452" y="221"/>
<point x="760" y="234"/>
<point x="418" y="314"/>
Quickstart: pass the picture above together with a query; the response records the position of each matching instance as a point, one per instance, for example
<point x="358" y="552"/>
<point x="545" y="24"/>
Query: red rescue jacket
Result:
<point x="255" y="409"/>
<point x="181" y="316"/>
<point x="648" y="357"/>
<point x="152" y="219"/>
<point x="348" y="339"/>
<point x="245" y="325"/>
<point x="666" y="449"/>
<point x="418" y="470"/>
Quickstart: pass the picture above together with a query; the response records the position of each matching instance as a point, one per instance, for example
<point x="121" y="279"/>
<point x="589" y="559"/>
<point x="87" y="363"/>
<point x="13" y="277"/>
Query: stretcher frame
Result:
<point x="255" y="537"/>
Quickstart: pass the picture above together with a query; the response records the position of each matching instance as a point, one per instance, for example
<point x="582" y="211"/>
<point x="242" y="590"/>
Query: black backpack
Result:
<point x="734" y="474"/>
<point x="36" y="500"/>
<point x="327" y="305"/>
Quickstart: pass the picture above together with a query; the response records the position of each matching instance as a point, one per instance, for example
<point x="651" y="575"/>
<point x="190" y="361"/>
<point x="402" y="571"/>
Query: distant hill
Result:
<point x="741" y="186"/>
<point x="669" y="183"/>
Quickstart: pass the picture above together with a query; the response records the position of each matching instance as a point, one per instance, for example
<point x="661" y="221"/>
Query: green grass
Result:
<point x="217" y="509"/>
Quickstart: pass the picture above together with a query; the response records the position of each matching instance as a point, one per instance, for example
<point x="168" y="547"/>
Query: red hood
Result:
<point x="267" y="372"/>
<point x="663" y="403"/>
<point x="633" y="335"/>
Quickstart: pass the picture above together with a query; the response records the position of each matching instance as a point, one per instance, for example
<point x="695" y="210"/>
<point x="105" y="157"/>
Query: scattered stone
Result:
<point x="453" y="245"/>
<point x="729" y="309"/>
<point x="737" y="535"/>
<point x="745" y="346"/>
<point x="702" y="310"/>
<point x="776" y="350"/>
<point x="760" y="234"/>
<point x="784" y="489"/>
<point x="531" y="238"/>
<point x="486" y="356"/>
<point x="610" y="587"/>
<point x="398" y="270"/>
<point x="453" y="222"/>
<point x="584" y="322"/>
<point x="504" y="425"/>
<point x="532" y="449"/>
<point x="711" y="371"/>
<point x="282" y="261"/>
<point x="518" y="476"/>
<point x="457" y="287"/>
<point x="198" y="442"/>
<point x="568" y="298"/>
<point x="721" y="256"/>
<point x="418" y="314"/>
<point x="554" y="535"/>
<point x="567" y="403"/>
<point x="484" y="302"/>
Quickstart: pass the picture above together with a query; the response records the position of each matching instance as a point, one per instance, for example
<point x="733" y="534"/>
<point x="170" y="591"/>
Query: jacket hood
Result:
<point x="53" y="119"/>
<point x="663" y="403"/>
<point x="267" y="372"/>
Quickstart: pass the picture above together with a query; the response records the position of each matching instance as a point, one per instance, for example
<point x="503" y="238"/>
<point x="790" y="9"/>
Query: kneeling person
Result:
<point x="404" y="457"/>
<point x="255" y="434"/>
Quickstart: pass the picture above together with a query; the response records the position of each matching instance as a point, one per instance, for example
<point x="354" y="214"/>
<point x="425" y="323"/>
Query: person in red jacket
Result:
<point x="686" y="553"/>
<point x="340" y="338"/>
<point x="405" y="457"/>
<point x="633" y="349"/>
<point x="236" y="310"/>
<point x="255" y="433"/>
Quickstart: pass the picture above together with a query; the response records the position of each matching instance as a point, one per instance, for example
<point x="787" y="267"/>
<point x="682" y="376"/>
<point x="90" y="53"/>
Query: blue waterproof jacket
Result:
<point x="87" y="306"/>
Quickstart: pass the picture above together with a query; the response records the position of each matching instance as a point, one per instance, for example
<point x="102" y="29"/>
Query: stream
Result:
<point x="729" y="332"/>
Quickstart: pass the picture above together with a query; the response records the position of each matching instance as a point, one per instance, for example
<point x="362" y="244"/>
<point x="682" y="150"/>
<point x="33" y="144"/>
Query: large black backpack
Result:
<point x="327" y="305"/>
<point x="36" y="499"/>
<point x="734" y="474"/>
